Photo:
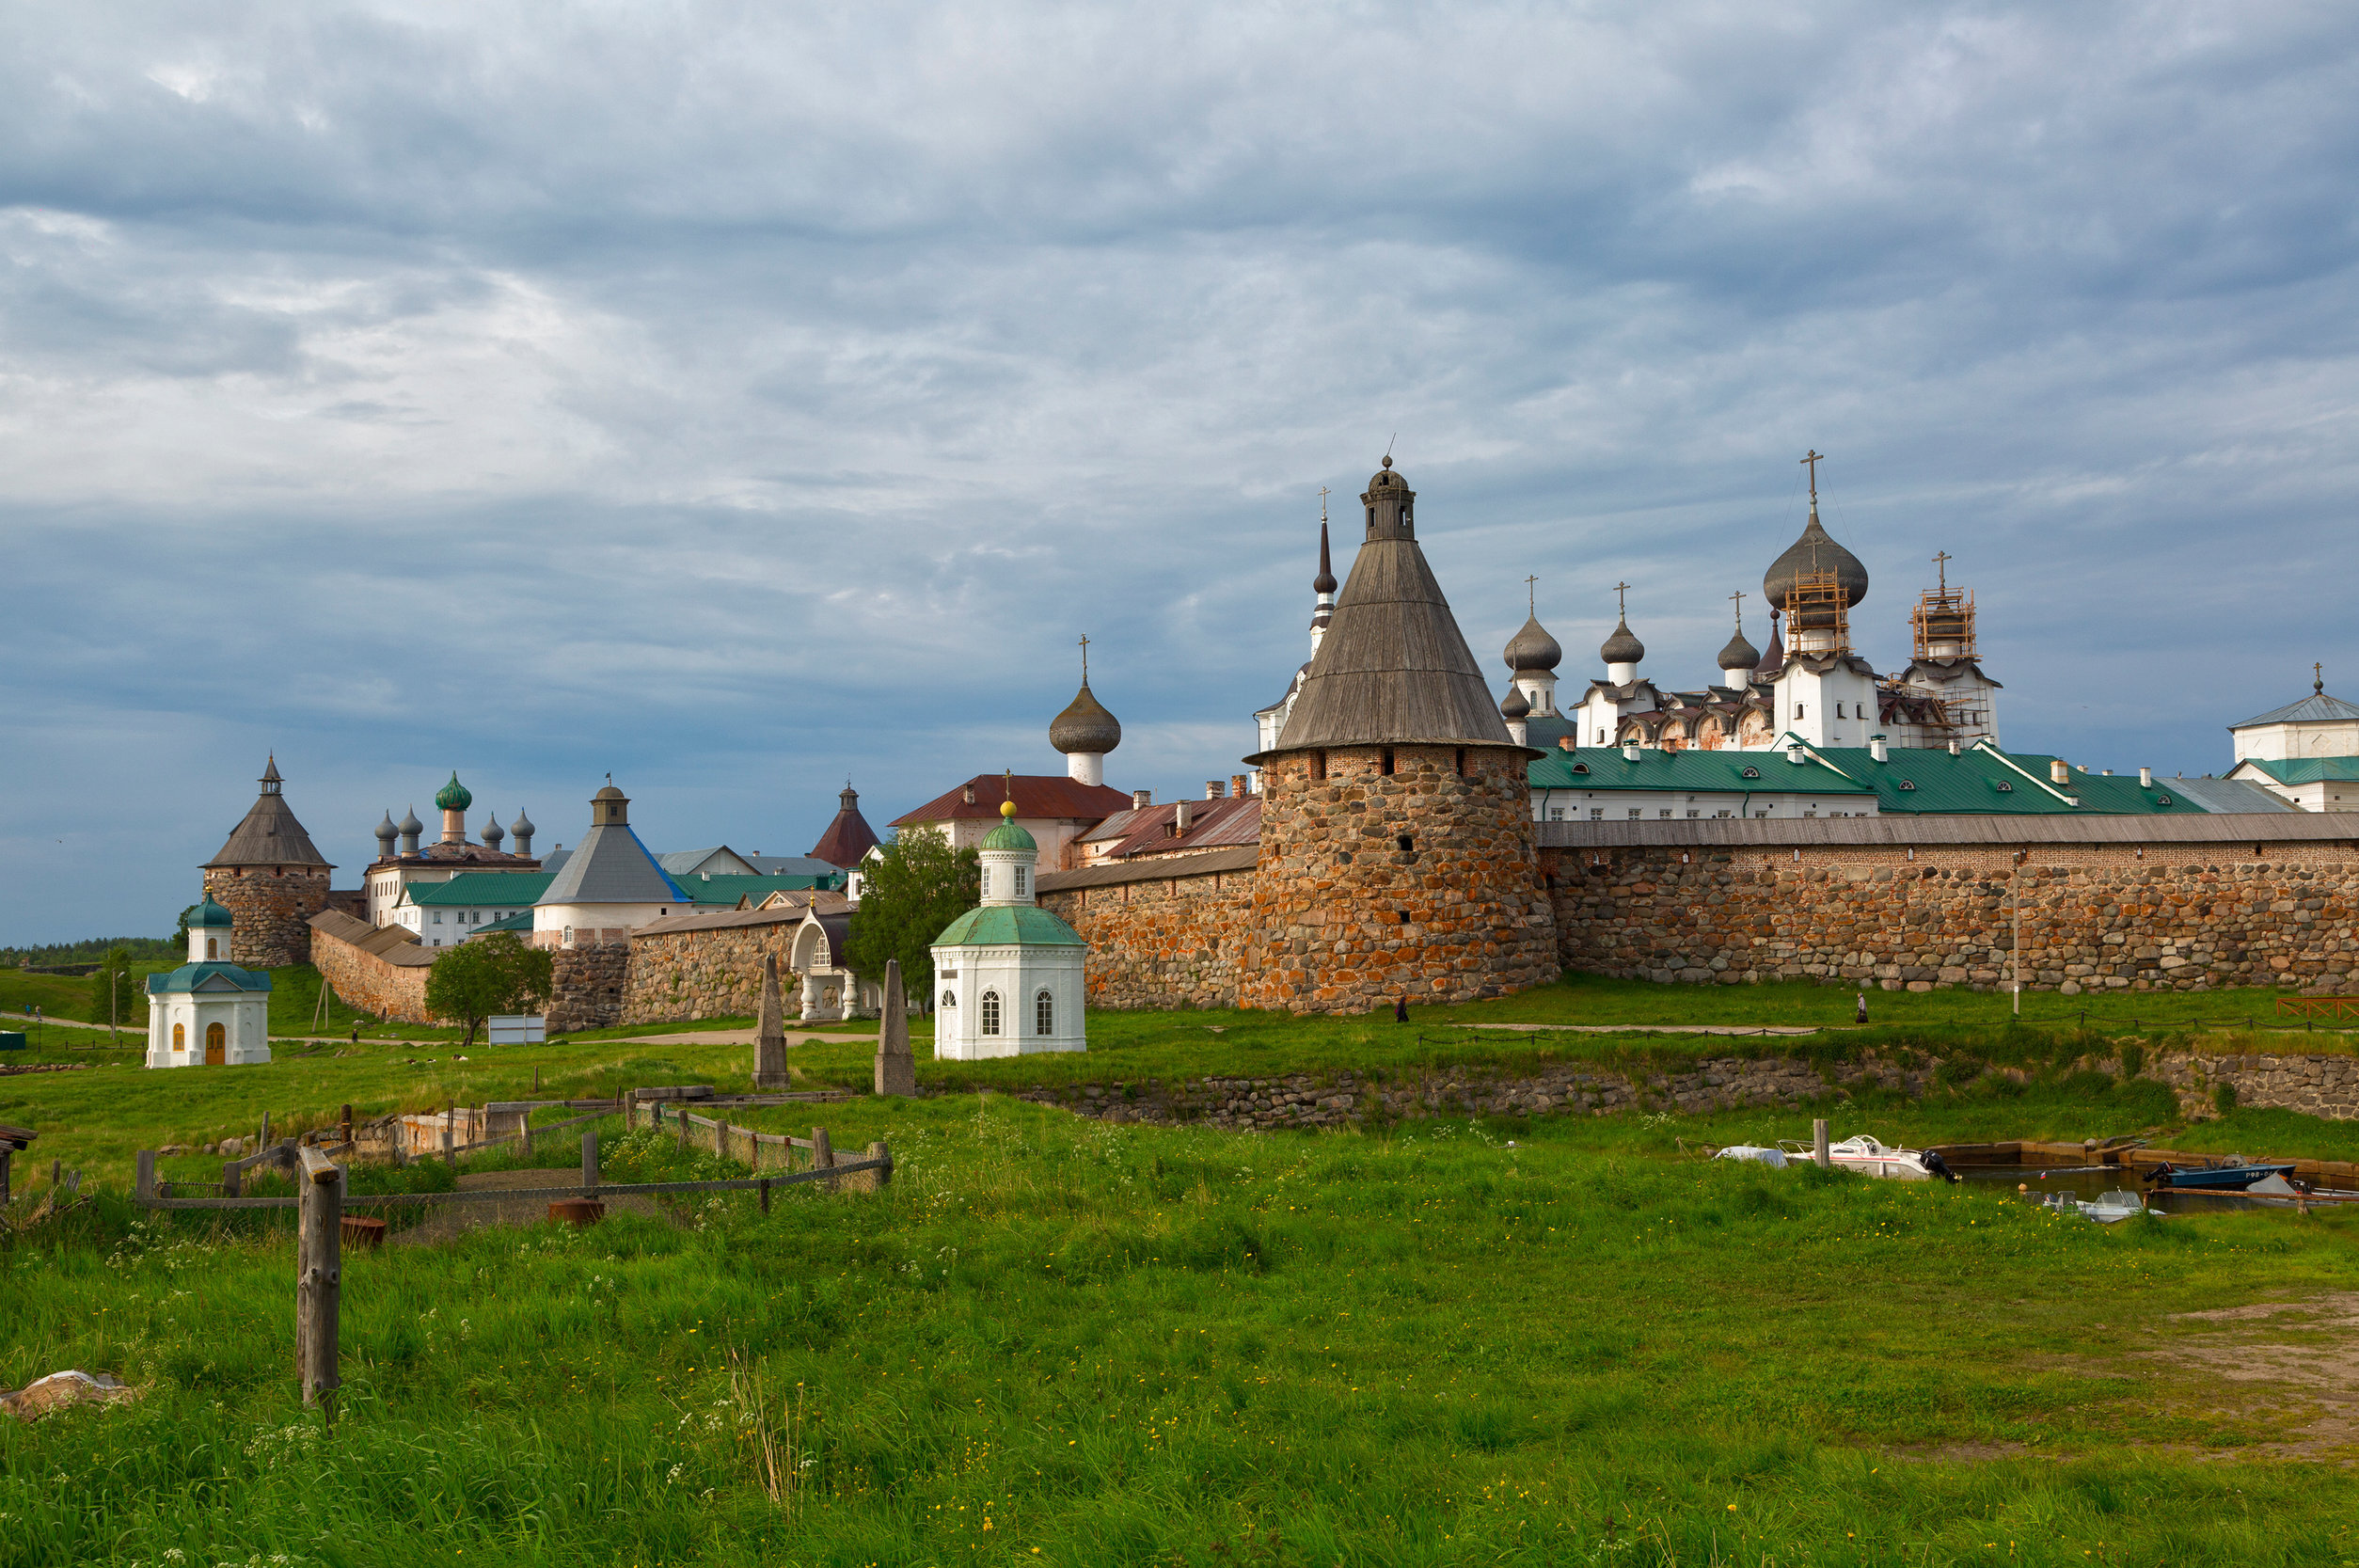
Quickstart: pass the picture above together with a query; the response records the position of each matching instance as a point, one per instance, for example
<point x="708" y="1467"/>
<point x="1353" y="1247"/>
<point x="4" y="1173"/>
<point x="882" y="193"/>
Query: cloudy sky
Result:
<point x="740" y="398"/>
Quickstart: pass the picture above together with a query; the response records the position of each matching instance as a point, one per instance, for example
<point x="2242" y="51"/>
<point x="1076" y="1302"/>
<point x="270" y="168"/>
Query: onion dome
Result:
<point x="454" y="796"/>
<point x="209" y="915"/>
<point x="1623" y="647"/>
<point x="1007" y="835"/>
<point x="385" y="830"/>
<point x="410" y="825"/>
<point x="522" y="827"/>
<point x="1533" y="648"/>
<point x="1815" y="552"/>
<point x="491" y="830"/>
<point x="1086" y="726"/>
<point x="1739" y="654"/>
<point x="1512" y="706"/>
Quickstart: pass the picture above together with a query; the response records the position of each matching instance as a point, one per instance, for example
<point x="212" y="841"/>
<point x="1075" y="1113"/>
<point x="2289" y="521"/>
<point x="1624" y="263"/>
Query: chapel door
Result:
<point x="217" y="1045"/>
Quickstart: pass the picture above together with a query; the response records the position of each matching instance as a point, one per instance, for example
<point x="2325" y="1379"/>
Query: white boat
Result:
<point x="1871" y="1158"/>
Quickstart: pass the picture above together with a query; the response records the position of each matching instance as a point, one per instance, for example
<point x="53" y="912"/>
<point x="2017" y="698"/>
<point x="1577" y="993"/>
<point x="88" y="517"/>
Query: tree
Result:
<point x="495" y="973"/>
<point x="917" y="885"/>
<point x="116" y="992"/>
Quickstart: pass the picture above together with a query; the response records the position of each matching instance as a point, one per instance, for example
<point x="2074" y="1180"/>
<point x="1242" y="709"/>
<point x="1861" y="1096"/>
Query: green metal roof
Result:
<point x="1008" y="836"/>
<point x="208" y="914"/>
<point x="477" y="889"/>
<point x="728" y="887"/>
<point x="1982" y="780"/>
<point x="194" y="977"/>
<point x="1689" y="773"/>
<point x="521" y="921"/>
<point x="2301" y="770"/>
<point x="1008" y="925"/>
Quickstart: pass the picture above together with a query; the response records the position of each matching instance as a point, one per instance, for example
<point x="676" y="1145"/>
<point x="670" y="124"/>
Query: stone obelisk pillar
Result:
<point x="896" y="1069"/>
<point x="770" y="1047"/>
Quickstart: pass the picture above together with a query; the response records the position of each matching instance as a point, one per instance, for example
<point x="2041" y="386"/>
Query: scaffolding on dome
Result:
<point x="1818" y="614"/>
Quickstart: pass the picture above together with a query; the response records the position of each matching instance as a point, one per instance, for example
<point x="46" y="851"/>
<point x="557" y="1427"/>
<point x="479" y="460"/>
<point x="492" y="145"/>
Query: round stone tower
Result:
<point x="271" y="880"/>
<point x="1397" y="855"/>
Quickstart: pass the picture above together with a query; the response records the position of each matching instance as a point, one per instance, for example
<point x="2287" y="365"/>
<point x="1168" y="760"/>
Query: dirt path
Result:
<point x="2297" y="1361"/>
<point x="447" y="1221"/>
<point x="1661" y="1028"/>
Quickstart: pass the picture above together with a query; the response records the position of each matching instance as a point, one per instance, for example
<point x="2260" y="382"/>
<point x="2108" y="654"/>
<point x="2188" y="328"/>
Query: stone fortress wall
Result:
<point x="1395" y="871"/>
<point x="1917" y="909"/>
<point x="1157" y="939"/>
<point x="675" y="975"/>
<point x="272" y="906"/>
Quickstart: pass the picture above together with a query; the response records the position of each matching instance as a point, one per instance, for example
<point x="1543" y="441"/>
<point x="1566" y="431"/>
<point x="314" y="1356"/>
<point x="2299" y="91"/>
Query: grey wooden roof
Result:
<point x="611" y="866"/>
<point x="270" y="836"/>
<point x="2228" y="831"/>
<point x="395" y="945"/>
<point x="1393" y="668"/>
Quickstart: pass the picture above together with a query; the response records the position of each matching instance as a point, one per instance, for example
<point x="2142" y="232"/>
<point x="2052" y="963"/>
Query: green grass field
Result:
<point x="1064" y="1341"/>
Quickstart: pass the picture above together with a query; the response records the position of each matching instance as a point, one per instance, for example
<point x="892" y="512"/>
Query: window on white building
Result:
<point x="437" y="917"/>
<point x="1556" y="813"/>
<point x="1596" y="813"/>
<point x="1020" y="882"/>
<point x="1636" y="814"/>
<point x="1043" y="1014"/>
<point x="990" y="1012"/>
<point x="1666" y="812"/>
<point x="949" y="999"/>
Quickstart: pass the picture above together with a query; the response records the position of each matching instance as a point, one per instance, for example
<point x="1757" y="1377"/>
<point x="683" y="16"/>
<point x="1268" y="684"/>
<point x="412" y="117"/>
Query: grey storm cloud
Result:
<point x="735" y="398"/>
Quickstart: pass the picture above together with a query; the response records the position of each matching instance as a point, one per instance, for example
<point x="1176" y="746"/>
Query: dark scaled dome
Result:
<point x="410" y="823"/>
<point x="386" y="828"/>
<point x="1623" y="647"/>
<point x="454" y="796"/>
<point x="1533" y="648"/>
<point x="1512" y="706"/>
<point x="1815" y="552"/>
<point x="522" y="827"/>
<point x="1086" y="726"/>
<point x="1739" y="654"/>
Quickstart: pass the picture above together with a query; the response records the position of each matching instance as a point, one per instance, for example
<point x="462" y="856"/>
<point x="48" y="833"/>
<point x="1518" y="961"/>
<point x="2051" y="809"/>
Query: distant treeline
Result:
<point x="139" y="950"/>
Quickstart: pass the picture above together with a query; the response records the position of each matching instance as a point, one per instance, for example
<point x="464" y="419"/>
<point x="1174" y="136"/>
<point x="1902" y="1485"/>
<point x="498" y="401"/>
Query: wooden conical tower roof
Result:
<point x="1393" y="669"/>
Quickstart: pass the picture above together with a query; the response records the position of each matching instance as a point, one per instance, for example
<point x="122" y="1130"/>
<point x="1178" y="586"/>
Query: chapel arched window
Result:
<point x="1044" y="1014"/>
<point x="990" y="1012"/>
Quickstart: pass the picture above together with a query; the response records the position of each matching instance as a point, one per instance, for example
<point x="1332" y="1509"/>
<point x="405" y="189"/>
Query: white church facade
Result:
<point x="209" y="1012"/>
<point x="1007" y="974"/>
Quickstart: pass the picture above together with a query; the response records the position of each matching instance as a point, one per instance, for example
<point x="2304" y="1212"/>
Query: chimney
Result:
<point x="1179" y="820"/>
<point x="2146" y="778"/>
<point x="1794" y="753"/>
<point x="1630" y="752"/>
<point x="1211" y="789"/>
<point x="1878" y="750"/>
<point x="2059" y="772"/>
<point x="1237" y="785"/>
<point x="1142" y="799"/>
<point x="1953" y="748"/>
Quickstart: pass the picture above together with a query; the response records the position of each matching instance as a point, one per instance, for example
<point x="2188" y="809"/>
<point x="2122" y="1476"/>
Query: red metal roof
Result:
<point x="1037" y="795"/>
<point x="1229" y="821"/>
<point x="848" y="838"/>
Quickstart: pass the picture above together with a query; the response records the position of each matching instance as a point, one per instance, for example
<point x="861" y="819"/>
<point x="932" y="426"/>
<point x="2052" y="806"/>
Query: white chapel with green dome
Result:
<point x="1008" y="971"/>
<point x="209" y="1012"/>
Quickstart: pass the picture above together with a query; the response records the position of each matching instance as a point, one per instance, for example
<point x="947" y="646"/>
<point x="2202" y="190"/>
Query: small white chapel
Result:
<point x="1009" y="972"/>
<point x="209" y="1012"/>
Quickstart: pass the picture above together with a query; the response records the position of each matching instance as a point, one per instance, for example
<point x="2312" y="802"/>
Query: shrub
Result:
<point x="2134" y="1059"/>
<point x="2224" y="1097"/>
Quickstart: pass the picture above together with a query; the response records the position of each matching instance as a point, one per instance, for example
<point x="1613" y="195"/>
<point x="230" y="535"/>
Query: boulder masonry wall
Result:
<point x="2115" y="916"/>
<point x="714" y="972"/>
<point x="1168" y="940"/>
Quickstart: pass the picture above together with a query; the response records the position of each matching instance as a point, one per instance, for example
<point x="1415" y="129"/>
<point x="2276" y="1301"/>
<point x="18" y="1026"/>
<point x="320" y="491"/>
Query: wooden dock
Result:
<point x="2340" y="1174"/>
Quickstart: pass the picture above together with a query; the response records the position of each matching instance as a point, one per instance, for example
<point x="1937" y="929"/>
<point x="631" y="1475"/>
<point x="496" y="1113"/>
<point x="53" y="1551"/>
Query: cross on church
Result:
<point x="1084" y="648"/>
<point x="1942" y="564"/>
<point x="1323" y="504"/>
<point x="1531" y="593"/>
<point x="1739" y="598"/>
<point x="1621" y="604"/>
<point x="1811" y="460"/>
<point x="2318" y="678"/>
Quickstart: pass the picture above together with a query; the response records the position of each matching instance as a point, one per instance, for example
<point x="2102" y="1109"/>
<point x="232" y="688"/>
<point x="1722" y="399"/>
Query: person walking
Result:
<point x="1858" y="1014"/>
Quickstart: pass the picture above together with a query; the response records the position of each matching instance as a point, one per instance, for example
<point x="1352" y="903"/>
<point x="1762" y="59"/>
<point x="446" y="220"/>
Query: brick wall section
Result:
<point x="589" y="977"/>
<point x="366" y="981"/>
<point x="1328" y="927"/>
<point x="1166" y="942"/>
<point x="271" y="905"/>
<point x="715" y="974"/>
<point x="2094" y="917"/>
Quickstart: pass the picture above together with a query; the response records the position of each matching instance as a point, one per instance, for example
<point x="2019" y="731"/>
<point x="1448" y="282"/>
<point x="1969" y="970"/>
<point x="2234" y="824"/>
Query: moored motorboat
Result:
<point x="1868" y="1157"/>
<point x="2232" y="1176"/>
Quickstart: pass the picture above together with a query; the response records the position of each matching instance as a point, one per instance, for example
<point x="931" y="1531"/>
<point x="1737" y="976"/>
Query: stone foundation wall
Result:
<point x="367" y="982"/>
<point x="589" y="982"/>
<point x="271" y="906"/>
<point x="1420" y="881"/>
<point x="2316" y="1086"/>
<point x="2093" y="918"/>
<point x="674" y="975"/>
<point x="1312" y="1100"/>
<point x="1170" y="942"/>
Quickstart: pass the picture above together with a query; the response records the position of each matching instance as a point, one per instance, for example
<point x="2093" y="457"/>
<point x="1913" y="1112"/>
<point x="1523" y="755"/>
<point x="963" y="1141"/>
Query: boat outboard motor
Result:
<point x="1938" y="1166"/>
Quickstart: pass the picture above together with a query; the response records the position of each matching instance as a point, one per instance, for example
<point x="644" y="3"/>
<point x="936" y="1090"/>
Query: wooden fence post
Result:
<point x="765" y="1194"/>
<point x="346" y="1124"/>
<point x="233" y="1179"/>
<point x="682" y="1112"/>
<point x="146" y="1172"/>
<point x="449" y="1144"/>
<point x="589" y="1161"/>
<point x="822" y="1154"/>
<point x="1818" y="1142"/>
<point x="318" y="1277"/>
<point x="879" y="1179"/>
